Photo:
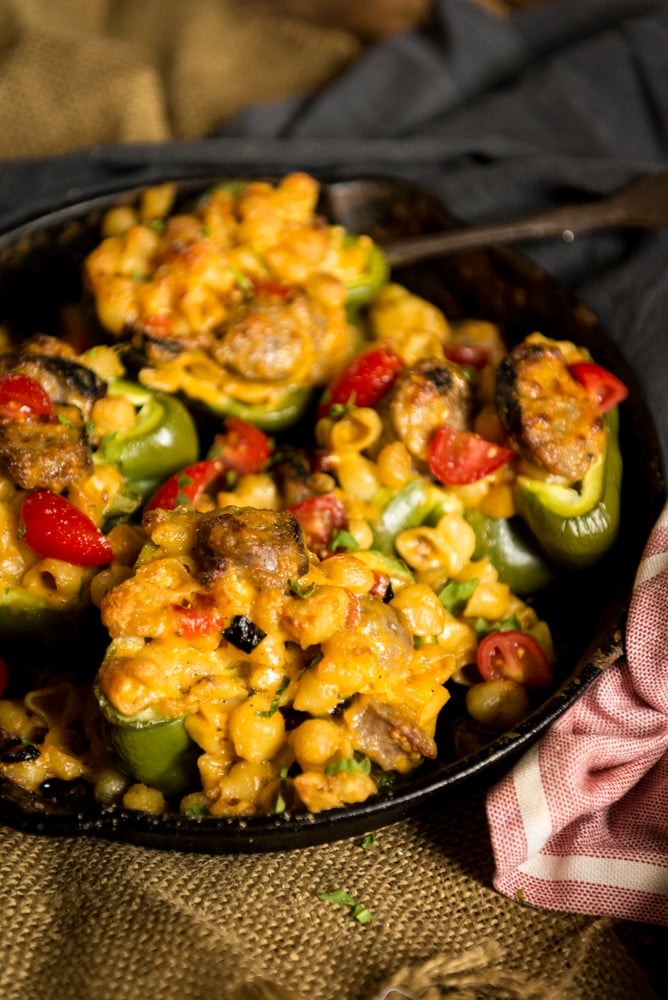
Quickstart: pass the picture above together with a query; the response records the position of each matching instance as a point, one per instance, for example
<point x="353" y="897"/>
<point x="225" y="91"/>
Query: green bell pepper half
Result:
<point x="575" y="527"/>
<point x="363" y="287"/>
<point x="286" y="412"/>
<point x="162" y="439"/>
<point x="24" y="615"/>
<point x="153" y="750"/>
<point x="407" y="508"/>
<point x="512" y="550"/>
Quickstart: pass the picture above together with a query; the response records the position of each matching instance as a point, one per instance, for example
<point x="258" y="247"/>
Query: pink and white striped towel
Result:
<point x="580" y="824"/>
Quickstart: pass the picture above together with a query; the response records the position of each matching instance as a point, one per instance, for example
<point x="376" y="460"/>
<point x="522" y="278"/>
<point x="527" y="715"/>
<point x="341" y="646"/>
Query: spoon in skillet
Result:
<point x="641" y="205"/>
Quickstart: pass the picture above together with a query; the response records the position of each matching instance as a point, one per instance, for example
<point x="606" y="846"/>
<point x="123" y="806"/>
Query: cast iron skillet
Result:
<point x="40" y="269"/>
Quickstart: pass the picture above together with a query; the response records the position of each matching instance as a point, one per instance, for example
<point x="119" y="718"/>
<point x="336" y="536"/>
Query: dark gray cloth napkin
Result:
<point x="498" y="116"/>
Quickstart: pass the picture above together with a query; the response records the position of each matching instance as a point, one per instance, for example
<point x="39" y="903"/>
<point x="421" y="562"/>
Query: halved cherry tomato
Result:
<point x="23" y="398"/>
<point x="514" y="656"/>
<point x="467" y="354"/>
<point x="4" y="676"/>
<point x="460" y="457"/>
<point x="320" y="518"/>
<point x="186" y="486"/>
<point x="605" y="387"/>
<point x="55" y="529"/>
<point x="242" y="447"/>
<point x="364" y="382"/>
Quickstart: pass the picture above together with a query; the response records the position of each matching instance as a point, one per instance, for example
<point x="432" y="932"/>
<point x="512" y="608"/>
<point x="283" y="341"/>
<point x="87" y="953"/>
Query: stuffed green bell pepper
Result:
<point x="559" y="409"/>
<point x="155" y="751"/>
<point x="245" y="304"/>
<point x="512" y="550"/>
<point x="161" y="439"/>
<point x="575" y="527"/>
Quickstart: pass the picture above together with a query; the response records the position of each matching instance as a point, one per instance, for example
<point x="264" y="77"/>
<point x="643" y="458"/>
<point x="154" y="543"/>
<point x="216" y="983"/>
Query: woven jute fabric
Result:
<point x="87" y="918"/>
<point x="81" y="72"/>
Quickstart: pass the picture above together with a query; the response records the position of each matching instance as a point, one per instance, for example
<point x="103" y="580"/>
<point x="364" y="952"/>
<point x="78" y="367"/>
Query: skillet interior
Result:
<point x="40" y="270"/>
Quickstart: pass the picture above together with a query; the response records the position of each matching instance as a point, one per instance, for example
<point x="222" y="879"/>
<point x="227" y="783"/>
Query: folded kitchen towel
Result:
<point x="580" y="824"/>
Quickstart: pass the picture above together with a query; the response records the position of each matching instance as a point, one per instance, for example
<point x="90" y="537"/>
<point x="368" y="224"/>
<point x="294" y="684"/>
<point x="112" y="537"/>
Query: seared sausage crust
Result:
<point x="36" y="454"/>
<point x="429" y="394"/>
<point x="269" y="546"/>
<point x="550" y="418"/>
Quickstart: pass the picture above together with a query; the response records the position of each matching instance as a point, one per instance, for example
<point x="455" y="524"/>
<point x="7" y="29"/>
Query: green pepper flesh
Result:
<point x="512" y="550"/>
<point x="162" y="439"/>
<point x="155" y="751"/>
<point x="575" y="528"/>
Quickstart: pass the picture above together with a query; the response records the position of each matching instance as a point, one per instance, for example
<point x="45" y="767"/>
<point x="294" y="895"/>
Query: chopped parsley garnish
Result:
<point x="484" y="627"/>
<point x="276" y="700"/>
<point x="454" y="596"/>
<point x="368" y="841"/>
<point x="349" y="764"/>
<point x="342" y="540"/>
<point x="301" y="591"/>
<point x="241" y="279"/>
<point x="183" y="482"/>
<point x="281" y="804"/>
<point x="341" y="898"/>
<point x="197" y="810"/>
<point x="339" y="410"/>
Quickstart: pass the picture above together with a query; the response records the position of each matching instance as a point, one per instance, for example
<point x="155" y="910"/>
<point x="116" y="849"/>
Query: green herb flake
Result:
<point x="338" y="411"/>
<point x="368" y="841"/>
<point x="21" y="532"/>
<point x="281" y="804"/>
<point x="361" y="914"/>
<point x="62" y="419"/>
<point x="197" y="810"/>
<point x="183" y="482"/>
<point x="241" y="279"/>
<point x="342" y="540"/>
<point x="276" y="700"/>
<point x="157" y="225"/>
<point x="349" y="764"/>
<point x="454" y="596"/>
<point x="341" y="898"/>
<point x="301" y="591"/>
<point x="484" y="627"/>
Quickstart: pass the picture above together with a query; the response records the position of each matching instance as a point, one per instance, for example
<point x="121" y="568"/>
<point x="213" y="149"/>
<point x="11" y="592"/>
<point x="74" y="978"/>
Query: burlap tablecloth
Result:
<point x="93" y="919"/>
<point x="78" y="72"/>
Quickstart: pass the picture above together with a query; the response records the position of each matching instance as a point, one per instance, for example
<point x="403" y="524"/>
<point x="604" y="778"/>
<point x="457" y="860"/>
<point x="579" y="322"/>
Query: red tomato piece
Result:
<point x="23" y="398"/>
<point x="381" y="585"/>
<point x="605" y="387"/>
<point x="273" y="289"/>
<point x="158" y="326"/>
<point x="55" y="529"/>
<point x="186" y="486"/>
<point x="4" y="676"/>
<point x="320" y="518"/>
<point x="467" y="354"/>
<point x="460" y="457"/>
<point x="514" y="656"/>
<point x="242" y="447"/>
<point x="364" y="382"/>
<point x="196" y="621"/>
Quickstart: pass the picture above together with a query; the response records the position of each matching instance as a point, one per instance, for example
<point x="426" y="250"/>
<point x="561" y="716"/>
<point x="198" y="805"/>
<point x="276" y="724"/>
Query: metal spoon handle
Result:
<point x="642" y="205"/>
